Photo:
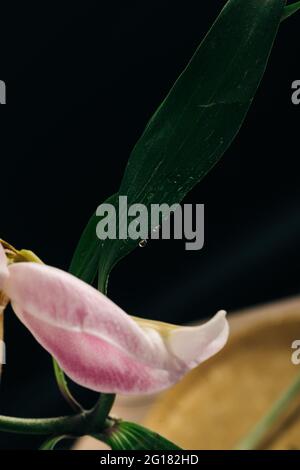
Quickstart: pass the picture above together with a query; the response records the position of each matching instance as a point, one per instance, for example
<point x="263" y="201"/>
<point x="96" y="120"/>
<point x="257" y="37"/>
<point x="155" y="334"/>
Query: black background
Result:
<point x="82" y="80"/>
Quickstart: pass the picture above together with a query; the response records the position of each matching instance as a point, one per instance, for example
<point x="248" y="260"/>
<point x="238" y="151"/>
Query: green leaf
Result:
<point x="85" y="260"/>
<point x="51" y="442"/>
<point x="64" y="388"/>
<point x="195" y="124"/>
<point x="124" y="435"/>
<point x="289" y="10"/>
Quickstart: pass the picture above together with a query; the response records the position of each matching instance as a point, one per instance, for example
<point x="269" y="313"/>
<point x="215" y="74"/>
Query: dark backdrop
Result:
<point x="82" y="80"/>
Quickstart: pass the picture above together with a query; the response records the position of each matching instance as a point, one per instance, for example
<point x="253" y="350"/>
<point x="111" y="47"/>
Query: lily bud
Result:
<point x="95" y="342"/>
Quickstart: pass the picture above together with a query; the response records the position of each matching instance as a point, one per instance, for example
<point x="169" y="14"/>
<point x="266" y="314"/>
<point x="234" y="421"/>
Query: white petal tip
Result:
<point x="220" y="314"/>
<point x="195" y="344"/>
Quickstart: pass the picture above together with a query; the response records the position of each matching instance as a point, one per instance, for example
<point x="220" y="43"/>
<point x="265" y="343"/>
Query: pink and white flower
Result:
<point x="95" y="342"/>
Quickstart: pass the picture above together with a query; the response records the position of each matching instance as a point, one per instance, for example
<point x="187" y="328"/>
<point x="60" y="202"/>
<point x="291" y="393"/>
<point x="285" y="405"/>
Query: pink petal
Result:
<point x="97" y="344"/>
<point x="3" y="266"/>
<point x="97" y="364"/>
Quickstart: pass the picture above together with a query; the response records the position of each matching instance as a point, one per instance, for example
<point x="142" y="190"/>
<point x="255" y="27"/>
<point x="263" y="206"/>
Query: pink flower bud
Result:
<point x="95" y="342"/>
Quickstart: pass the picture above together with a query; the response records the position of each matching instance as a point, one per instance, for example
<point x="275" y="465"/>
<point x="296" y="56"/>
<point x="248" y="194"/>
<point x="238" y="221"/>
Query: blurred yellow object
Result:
<point x="218" y="403"/>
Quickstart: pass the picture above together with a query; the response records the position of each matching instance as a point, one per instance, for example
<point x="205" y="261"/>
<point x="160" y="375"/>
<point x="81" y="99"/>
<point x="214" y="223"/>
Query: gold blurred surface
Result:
<point x="218" y="403"/>
<point x="1" y="325"/>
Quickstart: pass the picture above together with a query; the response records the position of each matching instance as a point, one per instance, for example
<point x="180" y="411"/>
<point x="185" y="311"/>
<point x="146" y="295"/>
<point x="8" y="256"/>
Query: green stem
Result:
<point x="64" y="389"/>
<point x="75" y="424"/>
<point x="100" y="412"/>
<point x="260" y="431"/>
<point x="86" y="422"/>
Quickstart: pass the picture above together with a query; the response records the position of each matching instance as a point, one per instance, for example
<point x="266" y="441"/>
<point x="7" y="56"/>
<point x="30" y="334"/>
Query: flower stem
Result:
<point x="260" y="431"/>
<point x="75" y="425"/>
<point x="101" y="410"/>
<point x="85" y="422"/>
<point x="60" y="425"/>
